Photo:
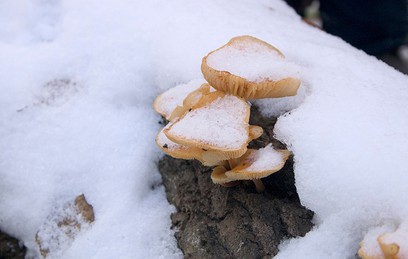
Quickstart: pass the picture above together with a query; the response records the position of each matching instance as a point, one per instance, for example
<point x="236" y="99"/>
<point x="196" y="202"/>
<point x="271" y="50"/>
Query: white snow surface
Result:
<point x="93" y="133"/>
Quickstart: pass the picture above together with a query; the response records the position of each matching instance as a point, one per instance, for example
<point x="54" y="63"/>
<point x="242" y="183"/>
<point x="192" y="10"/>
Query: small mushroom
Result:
<point x="169" y="100"/>
<point x="254" y="165"/>
<point x="250" y="68"/>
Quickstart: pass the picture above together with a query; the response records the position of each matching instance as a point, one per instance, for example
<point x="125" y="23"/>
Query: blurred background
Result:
<point x="378" y="27"/>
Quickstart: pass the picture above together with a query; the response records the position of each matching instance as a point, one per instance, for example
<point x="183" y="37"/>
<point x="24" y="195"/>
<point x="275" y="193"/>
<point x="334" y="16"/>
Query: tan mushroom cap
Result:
<point x="243" y="170"/>
<point x="237" y="85"/>
<point x="168" y="101"/>
<point x="206" y="139"/>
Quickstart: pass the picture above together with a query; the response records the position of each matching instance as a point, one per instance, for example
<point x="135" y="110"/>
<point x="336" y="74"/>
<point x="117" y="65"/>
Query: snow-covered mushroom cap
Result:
<point x="254" y="165"/>
<point x="218" y="122"/>
<point x="166" y="102"/>
<point x="250" y="68"/>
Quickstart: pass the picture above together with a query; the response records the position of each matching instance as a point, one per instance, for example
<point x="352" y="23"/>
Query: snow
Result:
<point x="219" y="124"/>
<point x="94" y="132"/>
<point x="253" y="61"/>
<point x="266" y="158"/>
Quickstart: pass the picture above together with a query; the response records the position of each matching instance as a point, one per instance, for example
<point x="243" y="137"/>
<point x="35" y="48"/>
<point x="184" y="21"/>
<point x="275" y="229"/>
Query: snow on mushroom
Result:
<point x="250" y="68"/>
<point x="217" y="122"/>
<point x="213" y="126"/>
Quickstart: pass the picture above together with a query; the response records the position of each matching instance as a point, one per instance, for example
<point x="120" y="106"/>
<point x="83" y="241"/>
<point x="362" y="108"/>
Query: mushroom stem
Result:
<point x="259" y="186"/>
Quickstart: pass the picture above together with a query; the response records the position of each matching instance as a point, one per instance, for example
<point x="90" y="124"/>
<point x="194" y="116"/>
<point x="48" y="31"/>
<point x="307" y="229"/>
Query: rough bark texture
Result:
<point x="10" y="247"/>
<point x="218" y="222"/>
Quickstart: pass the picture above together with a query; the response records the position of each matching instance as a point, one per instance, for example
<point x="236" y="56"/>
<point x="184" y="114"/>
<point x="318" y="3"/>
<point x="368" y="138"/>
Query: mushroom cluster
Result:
<point x="209" y="120"/>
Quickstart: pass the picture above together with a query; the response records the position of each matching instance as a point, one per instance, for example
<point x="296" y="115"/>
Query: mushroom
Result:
<point x="254" y="165"/>
<point x="250" y="68"/>
<point x="169" y="100"/>
<point x="218" y="122"/>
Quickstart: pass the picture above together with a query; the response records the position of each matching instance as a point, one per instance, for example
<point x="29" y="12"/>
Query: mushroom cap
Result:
<point x="167" y="101"/>
<point x="218" y="122"/>
<point x="255" y="164"/>
<point x="232" y="82"/>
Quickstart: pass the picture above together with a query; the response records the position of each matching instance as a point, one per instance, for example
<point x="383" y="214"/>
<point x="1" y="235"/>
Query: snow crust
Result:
<point x="219" y="124"/>
<point x="264" y="159"/>
<point x="253" y="61"/>
<point x="95" y="135"/>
